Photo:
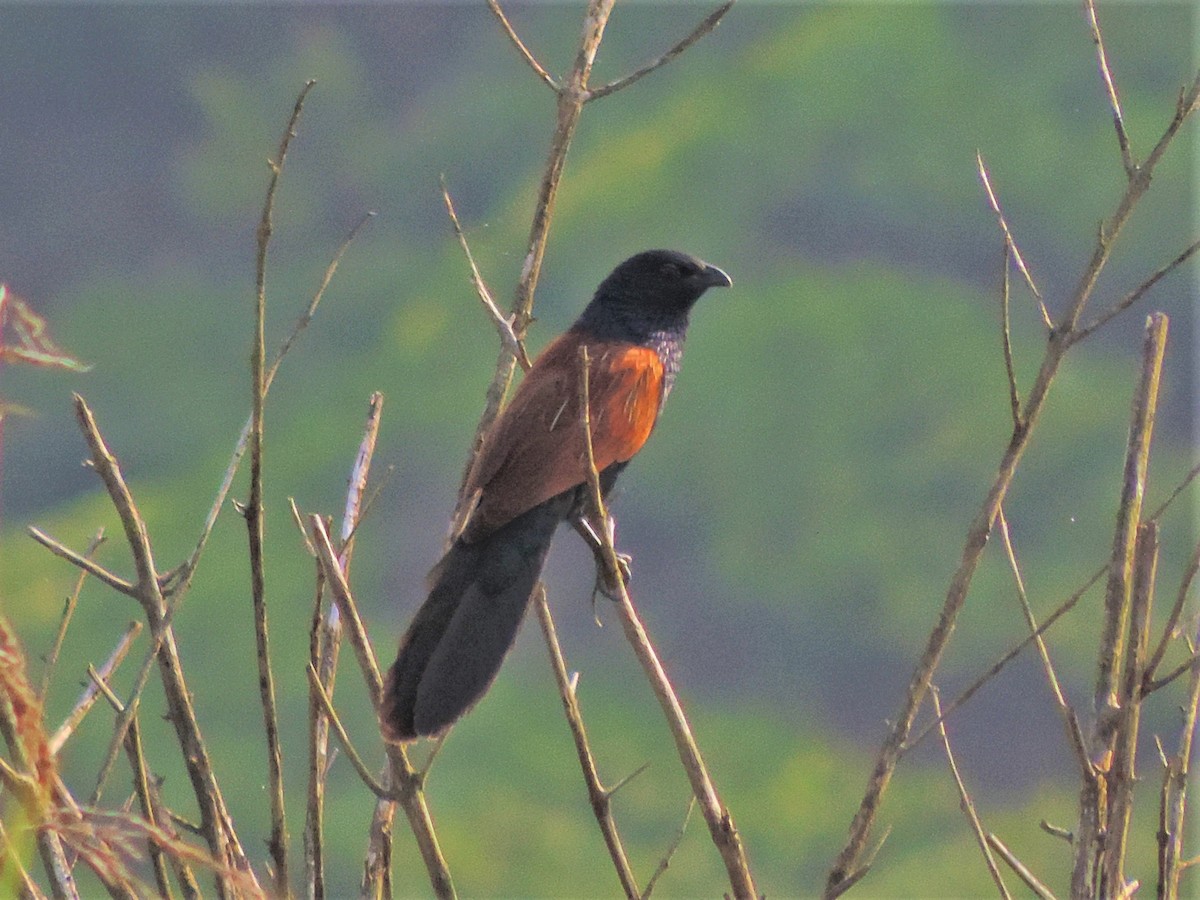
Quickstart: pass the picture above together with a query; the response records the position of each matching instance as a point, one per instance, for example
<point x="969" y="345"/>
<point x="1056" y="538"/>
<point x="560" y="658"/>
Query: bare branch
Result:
<point x="665" y="862"/>
<point x="277" y="842"/>
<point x="91" y="693"/>
<point x="1110" y="88"/>
<point x="598" y="796"/>
<point x="965" y="801"/>
<point x="307" y="316"/>
<point x="65" y="621"/>
<point x="348" y="609"/>
<point x="1008" y="239"/>
<point x="708" y="24"/>
<point x="215" y="821"/>
<point x="1169" y="629"/>
<point x="1133" y="296"/>
<point x="314" y="681"/>
<point x="521" y="48"/>
<point x="81" y="561"/>
<point x="1014" y="395"/>
<point x="503" y="323"/>
<point x="1070" y="719"/>
<point x="1031" y="881"/>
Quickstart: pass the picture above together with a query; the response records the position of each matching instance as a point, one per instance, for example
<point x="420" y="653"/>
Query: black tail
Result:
<point x="478" y="594"/>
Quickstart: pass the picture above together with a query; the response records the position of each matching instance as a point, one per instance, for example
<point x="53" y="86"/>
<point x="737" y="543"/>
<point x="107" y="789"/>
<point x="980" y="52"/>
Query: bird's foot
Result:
<point x="606" y="582"/>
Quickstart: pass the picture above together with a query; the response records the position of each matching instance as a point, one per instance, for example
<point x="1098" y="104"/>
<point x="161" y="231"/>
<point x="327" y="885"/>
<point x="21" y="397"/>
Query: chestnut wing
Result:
<point x="535" y="448"/>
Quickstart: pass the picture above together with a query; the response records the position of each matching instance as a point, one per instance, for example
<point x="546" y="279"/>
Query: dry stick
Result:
<point x="529" y="58"/>
<point x="91" y="693"/>
<point x="1039" y="631"/>
<point x="1070" y="719"/>
<point x="1009" y="241"/>
<point x="1110" y="88"/>
<point x="665" y="862"/>
<point x="1004" y="660"/>
<point x="706" y="26"/>
<point x="965" y="801"/>
<point x="215" y="823"/>
<point x="504" y="324"/>
<point x="255" y="515"/>
<point x="1174" y="794"/>
<point x="1134" y="296"/>
<point x="141" y="779"/>
<point x="1091" y="847"/>
<point x="326" y="644"/>
<point x="720" y="823"/>
<point x="82" y="562"/>
<point x="1014" y="394"/>
<point x="599" y="796"/>
<point x="314" y="682"/>
<point x="1019" y="868"/>
<point x="1059" y="342"/>
<point x="1169" y="633"/>
<point x="404" y="782"/>
<point x="68" y="612"/>
<point x="1123" y="772"/>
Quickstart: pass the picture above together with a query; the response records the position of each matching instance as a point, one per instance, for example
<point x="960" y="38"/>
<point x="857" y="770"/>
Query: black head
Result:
<point x="660" y="281"/>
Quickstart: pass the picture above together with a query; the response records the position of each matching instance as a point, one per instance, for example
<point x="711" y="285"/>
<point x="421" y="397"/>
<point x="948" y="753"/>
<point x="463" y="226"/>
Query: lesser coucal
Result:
<point x="530" y="475"/>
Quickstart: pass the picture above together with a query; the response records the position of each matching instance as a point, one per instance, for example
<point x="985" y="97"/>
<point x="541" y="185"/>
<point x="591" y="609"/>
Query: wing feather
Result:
<point x="535" y="448"/>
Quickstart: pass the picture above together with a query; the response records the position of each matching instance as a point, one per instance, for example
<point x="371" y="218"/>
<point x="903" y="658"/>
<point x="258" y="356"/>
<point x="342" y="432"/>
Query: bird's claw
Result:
<point x="605" y="582"/>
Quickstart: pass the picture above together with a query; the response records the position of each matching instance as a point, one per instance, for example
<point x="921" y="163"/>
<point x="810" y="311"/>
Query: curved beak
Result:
<point x="714" y="277"/>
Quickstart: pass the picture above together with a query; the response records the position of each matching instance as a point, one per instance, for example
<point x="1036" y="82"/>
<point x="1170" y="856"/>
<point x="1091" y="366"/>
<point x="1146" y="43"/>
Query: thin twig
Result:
<point x="598" y="795"/>
<point x="1070" y="719"/>
<point x="1009" y="240"/>
<point x="720" y="823"/>
<point x="91" y="693"/>
<point x="1022" y="871"/>
<point x="1174" y="796"/>
<point x="314" y="681"/>
<point x="1014" y="395"/>
<point x="83" y="562"/>
<point x="141" y="779"/>
<point x="1004" y="660"/>
<point x="503" y="323"/>
<point x="1169" y="628"/>
<point x="965" y="801"/>
<point x="1085" y="331"/>
<point x="1110" y="89"/>
<point x="68" y="612"/>
<point x="277" y="842"/>
<point x="707" y="25"/>
<point x="665" y="862"/>
<point x="529" y="58"/>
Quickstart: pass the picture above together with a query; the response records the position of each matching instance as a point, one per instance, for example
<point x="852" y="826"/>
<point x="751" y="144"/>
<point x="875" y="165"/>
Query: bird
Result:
<point x="530" y="475"/>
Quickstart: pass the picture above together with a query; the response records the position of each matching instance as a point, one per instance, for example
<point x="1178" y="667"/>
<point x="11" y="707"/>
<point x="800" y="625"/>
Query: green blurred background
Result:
<point x="794" y="521"/>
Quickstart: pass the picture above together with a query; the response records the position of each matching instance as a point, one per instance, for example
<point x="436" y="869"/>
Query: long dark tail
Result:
<point x="459" y="637"/>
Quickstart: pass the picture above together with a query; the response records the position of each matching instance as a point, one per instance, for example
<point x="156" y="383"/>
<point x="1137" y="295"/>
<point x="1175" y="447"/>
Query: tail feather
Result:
<point x="453" y="649"/>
